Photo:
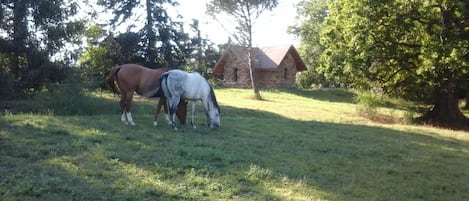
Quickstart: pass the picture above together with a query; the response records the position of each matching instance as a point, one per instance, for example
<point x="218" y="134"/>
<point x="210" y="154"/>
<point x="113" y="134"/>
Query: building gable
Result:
<point x="275" y="66"/>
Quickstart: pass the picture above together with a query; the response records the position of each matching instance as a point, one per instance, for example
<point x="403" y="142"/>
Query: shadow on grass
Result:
<point x="253" y="156"/>
<point x="82" y="105"/>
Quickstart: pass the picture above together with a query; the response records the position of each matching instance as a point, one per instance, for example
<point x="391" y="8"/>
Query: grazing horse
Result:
<point x="177" y="84"/>
<point x="145" y="81"/>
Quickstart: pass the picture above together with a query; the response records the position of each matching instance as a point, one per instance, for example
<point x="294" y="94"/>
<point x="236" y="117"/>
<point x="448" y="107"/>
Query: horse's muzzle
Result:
<point x="215" y="125"/>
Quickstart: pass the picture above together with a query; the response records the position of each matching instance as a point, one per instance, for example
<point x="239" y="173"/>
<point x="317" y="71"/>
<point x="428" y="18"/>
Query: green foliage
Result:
<point x="370" y="99"/>
<point x="68" y="97"/>
<point x="105" y="51"/>
<point x="313" y="13"/>
<point x="204" y="56"/>
<point x="368" y="103"/>
<point x="416" y="50"/>
<point x="176" y="50"/>
<point x="399" y="46"/>
<point x="162" y="41"/>
<point x="34" y="37"/>
<point x="311" y="79"/>
<point x="95" y="65"/>
<point x="8" y="88"/>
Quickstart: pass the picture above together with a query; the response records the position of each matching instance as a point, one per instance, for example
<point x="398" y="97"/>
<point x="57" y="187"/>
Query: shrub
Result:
<point x="368" y="103"/>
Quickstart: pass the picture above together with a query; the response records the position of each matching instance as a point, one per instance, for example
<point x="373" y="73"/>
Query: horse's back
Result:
<point x="143" y="80"/>
<point x="195" y="82"/>
<point x="195" y="86"/>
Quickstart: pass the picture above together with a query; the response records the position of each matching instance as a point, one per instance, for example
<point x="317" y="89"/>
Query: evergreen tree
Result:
<point x="163" y="39"/>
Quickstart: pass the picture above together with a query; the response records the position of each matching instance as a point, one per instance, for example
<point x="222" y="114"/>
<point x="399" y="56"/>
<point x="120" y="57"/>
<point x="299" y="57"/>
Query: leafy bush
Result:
<point x="368" y="103"/>
<point x="70" y="98"/>
<point x="311" y="79"/>
<point x="8" y="87"/>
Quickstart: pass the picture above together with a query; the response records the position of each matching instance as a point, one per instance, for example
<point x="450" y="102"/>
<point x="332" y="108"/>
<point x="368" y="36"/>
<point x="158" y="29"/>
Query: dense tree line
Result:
<point x="31" y="32"/>
<point x="417" y="50"/>
<point x="37" y="40"/>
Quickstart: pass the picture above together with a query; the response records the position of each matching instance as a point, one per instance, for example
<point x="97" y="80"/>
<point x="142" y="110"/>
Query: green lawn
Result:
<point x="293" y="145"/>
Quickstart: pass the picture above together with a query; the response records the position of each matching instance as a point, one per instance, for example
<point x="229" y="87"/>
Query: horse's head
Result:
<point x="214" y="117"/>
<point x="214" y="111"/>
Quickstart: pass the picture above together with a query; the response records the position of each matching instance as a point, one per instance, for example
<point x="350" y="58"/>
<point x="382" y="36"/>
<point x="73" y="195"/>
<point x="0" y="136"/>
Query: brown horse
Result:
<point x="146" y="82"/>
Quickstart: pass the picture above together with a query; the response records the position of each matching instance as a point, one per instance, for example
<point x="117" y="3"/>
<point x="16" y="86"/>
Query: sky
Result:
<point x="270" y="28"/>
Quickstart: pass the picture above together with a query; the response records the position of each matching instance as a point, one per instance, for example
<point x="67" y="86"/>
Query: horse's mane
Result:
<point x="112" y="77"/>
<point x="214" y="99"/>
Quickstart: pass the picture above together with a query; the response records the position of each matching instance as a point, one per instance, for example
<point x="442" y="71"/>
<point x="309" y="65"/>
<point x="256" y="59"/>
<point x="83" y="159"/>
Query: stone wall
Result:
<point x="236" y="74"/>
<point x="282" y="77"/>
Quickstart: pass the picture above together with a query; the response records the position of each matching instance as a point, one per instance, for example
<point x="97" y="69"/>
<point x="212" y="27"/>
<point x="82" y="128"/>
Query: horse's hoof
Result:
<point x="155" y="124"/>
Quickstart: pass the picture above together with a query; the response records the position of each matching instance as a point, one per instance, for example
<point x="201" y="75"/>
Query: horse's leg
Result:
<point x="172" y="104"/>
<point x="166" y="111"/>
<point x="193" y="114"/>
<point x="128" y="114"/>
<point x="206" y="110"/>
<point x="123" y="109"/>
<point x="172" y="112"/>
<point x="182" y="111"/>
<point x="161" y="102"/>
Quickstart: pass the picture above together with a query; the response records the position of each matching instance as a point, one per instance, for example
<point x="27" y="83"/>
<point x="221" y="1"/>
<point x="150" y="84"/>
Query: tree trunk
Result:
<point x="151" y="37"/>
<point x="252" y="74"/>
<point x="466" y="107"/>
<point x="446" y="112"/>
<point x="20" y="30"/>
<point x="252" y="71"/>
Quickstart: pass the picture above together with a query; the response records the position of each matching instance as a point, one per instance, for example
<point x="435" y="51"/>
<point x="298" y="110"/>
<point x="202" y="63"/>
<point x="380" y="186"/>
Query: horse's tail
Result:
<point x="112" y="78"/>
<point x="167" y="93"/>
<point x="164" y="85"/>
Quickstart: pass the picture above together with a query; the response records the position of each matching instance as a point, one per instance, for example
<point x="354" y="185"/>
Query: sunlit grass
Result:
<point x="294" y="106"/>
<point x="293" y="145"/>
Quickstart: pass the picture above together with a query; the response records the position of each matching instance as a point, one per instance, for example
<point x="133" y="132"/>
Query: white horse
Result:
<point x="192" y="87"/>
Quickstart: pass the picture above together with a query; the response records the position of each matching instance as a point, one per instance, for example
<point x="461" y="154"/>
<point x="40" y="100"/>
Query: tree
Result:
<point x="32" y="32"/>
<point x="467" y="101"/>
<point x="163" y="39"/>
<point x="244" y="13"/>
<point x="98" y="56"/>
<point x="105" y="50"/>
<point x="160" y="42"/>
<point x="311" y="14"/>
<point x="417" y="50"/>
<point x="204" y="56"/>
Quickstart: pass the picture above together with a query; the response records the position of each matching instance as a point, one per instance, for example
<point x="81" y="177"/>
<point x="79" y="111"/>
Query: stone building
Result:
<point x="275" y="67"/>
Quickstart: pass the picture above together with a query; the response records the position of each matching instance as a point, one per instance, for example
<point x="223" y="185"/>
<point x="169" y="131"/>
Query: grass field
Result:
<point x="293" y="145"/>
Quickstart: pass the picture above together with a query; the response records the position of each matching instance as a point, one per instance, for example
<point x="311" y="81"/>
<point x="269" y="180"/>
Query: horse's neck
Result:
<point x="210" y="104"/>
